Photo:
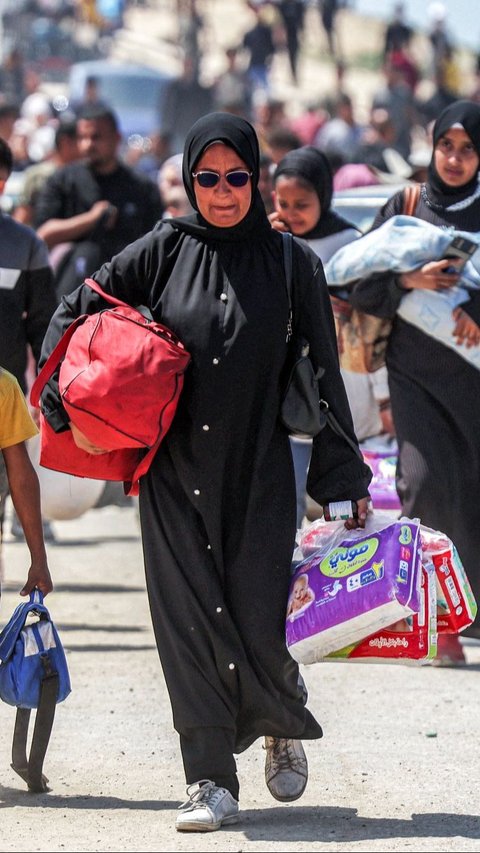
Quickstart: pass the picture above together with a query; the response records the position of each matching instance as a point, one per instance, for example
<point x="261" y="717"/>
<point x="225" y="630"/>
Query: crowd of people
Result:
<point x="197" y="243"/>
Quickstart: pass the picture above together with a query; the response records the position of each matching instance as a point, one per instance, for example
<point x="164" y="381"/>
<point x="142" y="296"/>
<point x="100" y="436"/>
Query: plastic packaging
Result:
<point x="340" y="510"/>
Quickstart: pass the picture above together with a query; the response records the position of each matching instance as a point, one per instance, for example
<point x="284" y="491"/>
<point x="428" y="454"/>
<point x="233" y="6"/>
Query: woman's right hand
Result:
<point x="365" y="508"/>
<point x="84" y="443"/>
<point x="466" y="330"/>
<point x="436" y="275"/>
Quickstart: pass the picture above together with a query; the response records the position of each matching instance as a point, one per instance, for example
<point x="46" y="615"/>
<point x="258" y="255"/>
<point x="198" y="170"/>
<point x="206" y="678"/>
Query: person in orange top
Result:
<point x="16" y="426"/>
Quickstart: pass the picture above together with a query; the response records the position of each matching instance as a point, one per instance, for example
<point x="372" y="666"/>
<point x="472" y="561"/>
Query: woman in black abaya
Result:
<point x="435" y="393"/>
<point x="217" y="507"/>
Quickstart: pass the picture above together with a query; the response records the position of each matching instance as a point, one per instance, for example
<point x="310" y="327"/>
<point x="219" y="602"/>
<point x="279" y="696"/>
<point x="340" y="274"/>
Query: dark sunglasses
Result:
<point x="236" y="178"/>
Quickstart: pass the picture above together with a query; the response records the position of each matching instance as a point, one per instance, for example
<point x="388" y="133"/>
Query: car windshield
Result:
<point x="360" y="206"/>
<point x="359" y="212"/>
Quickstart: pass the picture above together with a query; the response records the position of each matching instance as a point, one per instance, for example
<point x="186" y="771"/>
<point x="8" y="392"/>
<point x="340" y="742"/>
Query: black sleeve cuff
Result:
<point x="57" y="419"/>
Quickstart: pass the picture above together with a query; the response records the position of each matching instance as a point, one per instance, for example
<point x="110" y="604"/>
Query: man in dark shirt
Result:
<point x="27" y="298"/>
<point x="90" y="210"/>
<point x="398" y="34"/>
<point x="27" y="302"/>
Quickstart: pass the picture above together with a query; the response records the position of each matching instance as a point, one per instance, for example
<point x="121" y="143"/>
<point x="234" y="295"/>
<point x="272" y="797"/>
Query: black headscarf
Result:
<point x="467" y="114"/>
<point x="311" y="165"/>
<point x="240" y="135"/>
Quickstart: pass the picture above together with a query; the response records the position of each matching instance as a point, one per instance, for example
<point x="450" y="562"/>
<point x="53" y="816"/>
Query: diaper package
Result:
<point x="456" y="605"/>
<point x="351" y="584"/>
<point x="412" y="639"/>
<point x="382" y="487"/>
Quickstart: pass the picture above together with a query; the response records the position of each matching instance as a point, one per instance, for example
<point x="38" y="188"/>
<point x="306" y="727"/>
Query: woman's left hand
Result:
<point x="277" y="223"/>
<point x="364" y="506"/>
<point x="466" y="330"/>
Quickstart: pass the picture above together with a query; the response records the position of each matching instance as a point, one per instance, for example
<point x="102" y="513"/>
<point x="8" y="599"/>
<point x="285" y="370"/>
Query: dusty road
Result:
<point x="397" y="769"/>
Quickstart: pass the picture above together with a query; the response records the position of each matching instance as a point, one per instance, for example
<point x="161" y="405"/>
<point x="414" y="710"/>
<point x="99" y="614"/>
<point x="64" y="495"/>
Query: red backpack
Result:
<point x="120" y="380"/>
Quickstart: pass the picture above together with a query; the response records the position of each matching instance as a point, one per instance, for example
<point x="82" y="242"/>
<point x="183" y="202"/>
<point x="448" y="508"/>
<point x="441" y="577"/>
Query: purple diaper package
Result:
<point x="382" y="488"/>
<point x="354" y="584"/>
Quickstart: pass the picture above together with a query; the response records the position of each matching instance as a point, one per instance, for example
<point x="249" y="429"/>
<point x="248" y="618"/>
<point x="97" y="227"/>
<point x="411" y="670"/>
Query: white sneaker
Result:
<point x="207" y="808"/>
<point x="286" y="768"/>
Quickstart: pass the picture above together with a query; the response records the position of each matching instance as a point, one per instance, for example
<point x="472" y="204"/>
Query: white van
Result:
<point x="134" y="92"/>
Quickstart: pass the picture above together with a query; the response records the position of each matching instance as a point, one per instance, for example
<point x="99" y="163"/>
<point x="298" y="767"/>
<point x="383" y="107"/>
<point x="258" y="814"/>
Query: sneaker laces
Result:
<point x="283" y="755"/>
<point x="203" y="793"/>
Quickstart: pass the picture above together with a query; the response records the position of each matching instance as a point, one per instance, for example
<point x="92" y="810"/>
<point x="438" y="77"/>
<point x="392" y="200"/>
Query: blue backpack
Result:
<point x="33" y="674"/>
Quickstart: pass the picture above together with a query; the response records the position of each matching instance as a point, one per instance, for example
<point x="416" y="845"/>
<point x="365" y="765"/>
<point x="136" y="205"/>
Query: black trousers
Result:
<point x="207" y="753"/>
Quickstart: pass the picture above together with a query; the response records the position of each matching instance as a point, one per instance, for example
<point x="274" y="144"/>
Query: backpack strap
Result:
<point x="411" y="196"/>
<point x="30" y="769"/>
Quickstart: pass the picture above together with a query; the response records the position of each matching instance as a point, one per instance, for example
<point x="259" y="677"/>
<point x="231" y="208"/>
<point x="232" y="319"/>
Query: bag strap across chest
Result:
<point x="411" y="196"/>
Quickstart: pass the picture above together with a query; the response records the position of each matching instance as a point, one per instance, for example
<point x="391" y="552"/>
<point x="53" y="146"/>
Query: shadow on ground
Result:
<point x="290" y="824"/>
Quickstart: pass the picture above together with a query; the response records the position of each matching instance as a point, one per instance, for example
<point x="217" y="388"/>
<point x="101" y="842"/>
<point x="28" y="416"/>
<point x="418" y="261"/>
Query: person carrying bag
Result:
<point x="222" y="478"/>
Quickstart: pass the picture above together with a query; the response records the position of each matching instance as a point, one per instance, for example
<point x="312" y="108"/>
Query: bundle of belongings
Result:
<point x="400" y="245"/>
<point x="378" y="594"/>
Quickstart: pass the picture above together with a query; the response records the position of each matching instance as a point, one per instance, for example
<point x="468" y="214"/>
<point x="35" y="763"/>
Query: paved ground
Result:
<point x="397" y="769"/>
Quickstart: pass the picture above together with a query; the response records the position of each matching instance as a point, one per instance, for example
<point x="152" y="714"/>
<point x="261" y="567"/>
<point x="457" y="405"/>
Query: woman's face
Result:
<point x="223" y="205"/>
<point x="456" y="160"/>
<point x="298" y="206"/>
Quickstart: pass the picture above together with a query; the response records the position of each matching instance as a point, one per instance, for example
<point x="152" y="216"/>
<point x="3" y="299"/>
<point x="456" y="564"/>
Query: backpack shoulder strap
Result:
<point x="30" y="768"/>
<point x="411" y="195"/>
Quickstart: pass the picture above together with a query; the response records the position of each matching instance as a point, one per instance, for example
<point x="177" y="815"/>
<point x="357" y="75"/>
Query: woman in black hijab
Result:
<point x="435" y="393"/>
<point x="303" y="191"/>
<point x="217" y="507"/>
